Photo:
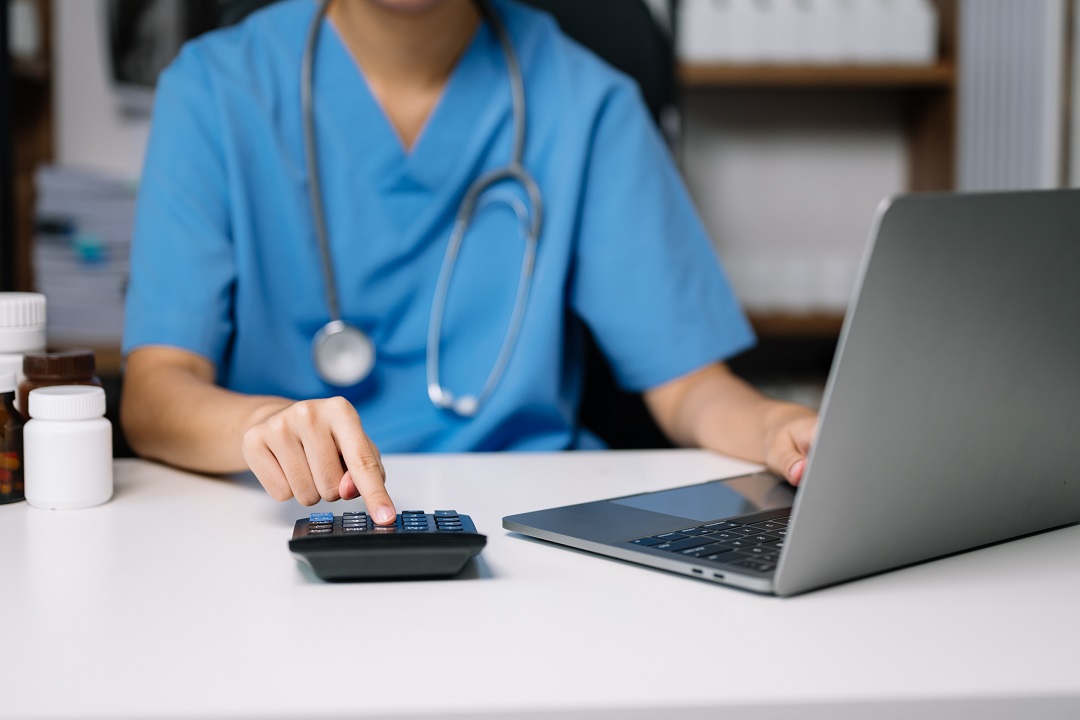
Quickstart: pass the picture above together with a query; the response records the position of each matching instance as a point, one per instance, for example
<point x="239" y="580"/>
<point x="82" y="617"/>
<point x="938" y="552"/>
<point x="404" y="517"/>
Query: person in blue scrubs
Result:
<point x="411" y="104"/>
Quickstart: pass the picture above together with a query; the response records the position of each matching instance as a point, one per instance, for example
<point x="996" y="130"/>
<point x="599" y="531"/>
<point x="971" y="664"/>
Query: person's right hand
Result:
<point x="317" y="450"/>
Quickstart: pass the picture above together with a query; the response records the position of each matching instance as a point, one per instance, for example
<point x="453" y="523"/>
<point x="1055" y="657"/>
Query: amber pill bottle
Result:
<point x="55" y="367"/>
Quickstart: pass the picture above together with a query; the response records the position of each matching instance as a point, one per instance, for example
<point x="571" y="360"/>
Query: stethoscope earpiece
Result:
<point x="343" y="354"/>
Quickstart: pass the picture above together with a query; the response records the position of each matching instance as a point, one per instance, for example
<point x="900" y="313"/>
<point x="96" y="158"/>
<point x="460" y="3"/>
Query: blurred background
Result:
<point x="790" y="119"/>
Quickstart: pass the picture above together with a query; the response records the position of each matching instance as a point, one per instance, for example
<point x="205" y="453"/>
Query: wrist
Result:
<point x="265" y="408"/>
<point x="778" y="416"/>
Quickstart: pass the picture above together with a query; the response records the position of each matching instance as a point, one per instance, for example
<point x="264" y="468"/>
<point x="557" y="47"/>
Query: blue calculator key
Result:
<point x="321" y="517"/>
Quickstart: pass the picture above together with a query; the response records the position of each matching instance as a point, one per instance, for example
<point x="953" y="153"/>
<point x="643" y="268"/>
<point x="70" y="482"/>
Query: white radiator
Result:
<point x="1011" y="106"/>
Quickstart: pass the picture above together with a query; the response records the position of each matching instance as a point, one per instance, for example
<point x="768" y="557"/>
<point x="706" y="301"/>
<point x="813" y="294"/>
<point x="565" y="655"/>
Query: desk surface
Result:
<point x="179" y="598"/>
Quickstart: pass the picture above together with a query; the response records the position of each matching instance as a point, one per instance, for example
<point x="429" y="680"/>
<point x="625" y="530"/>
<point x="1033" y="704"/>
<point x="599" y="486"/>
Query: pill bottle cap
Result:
<point x="67" y="402"/>
<point x="8" y="382"/>
<point x="22" y="322"/>
<point x="59" y="364"/>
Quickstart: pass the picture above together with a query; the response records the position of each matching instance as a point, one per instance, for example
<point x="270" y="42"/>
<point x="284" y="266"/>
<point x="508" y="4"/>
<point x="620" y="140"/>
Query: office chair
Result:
<point x="626" y="35"/>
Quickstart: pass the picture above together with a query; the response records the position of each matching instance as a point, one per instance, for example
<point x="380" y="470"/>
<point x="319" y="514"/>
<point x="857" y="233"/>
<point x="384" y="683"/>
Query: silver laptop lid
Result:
<point x="952" y="415"/>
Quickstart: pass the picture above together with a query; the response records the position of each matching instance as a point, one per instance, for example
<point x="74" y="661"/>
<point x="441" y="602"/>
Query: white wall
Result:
<point x="1010" y="113"/>
<point x="91" y="131"/>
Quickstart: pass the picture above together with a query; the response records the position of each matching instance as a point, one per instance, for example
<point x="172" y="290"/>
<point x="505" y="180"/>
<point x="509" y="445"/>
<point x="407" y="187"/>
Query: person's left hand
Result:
<point x="788" y="441"/>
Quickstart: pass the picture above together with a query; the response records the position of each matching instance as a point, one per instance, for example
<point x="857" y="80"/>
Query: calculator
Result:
<point x="351" y="546"/>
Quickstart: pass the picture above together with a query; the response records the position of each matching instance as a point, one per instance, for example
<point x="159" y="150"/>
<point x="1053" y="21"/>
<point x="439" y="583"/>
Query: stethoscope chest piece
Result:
<point x="344" y="355"/>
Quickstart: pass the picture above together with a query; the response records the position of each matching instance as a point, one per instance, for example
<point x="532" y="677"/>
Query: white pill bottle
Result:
<point x="22" y="330"/>
<point x="67" y="448"/>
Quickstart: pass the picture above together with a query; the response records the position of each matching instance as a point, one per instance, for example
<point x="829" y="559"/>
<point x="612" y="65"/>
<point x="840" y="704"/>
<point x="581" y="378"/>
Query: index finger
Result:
<point x="365" y="466"/>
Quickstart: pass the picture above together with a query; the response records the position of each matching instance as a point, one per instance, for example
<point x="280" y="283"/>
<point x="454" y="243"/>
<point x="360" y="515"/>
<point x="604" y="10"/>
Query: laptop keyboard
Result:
<point x="748" y="545"/>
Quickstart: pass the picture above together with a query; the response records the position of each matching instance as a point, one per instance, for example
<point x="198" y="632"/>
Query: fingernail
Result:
<point x="384" y="515"/>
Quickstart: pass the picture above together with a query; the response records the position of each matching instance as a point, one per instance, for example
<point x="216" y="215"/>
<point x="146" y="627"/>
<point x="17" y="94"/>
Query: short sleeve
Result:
<point x="647" y="281"/>
<point x="182" y="262"/>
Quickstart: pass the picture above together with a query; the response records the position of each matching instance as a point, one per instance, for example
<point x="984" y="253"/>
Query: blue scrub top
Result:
<point x="225" y="262"/>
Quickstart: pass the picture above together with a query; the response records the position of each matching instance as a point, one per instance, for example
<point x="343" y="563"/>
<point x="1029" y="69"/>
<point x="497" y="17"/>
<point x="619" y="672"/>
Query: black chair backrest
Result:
<point x="628" y="37"/>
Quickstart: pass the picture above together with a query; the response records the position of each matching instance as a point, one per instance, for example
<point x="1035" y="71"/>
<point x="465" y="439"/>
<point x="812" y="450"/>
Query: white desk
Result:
<point x="180" y="599"/>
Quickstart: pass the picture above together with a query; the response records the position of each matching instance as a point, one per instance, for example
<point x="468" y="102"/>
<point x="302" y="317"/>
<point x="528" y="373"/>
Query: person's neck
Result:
<point x="406" y="55"/>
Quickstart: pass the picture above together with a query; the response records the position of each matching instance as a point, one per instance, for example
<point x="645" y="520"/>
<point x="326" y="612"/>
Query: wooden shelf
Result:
<point x="33" y="70"/>
<point x="107" y="360"/>
<point x="797" y="324"/>
<point x="707" y="75"/>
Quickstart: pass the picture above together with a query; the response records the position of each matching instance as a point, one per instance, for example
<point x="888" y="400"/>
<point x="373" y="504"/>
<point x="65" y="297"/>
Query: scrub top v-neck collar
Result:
<point x="437" y="150"/>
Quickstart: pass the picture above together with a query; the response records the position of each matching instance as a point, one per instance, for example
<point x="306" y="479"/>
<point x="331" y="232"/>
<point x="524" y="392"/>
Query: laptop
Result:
<point x="950" y="420"/>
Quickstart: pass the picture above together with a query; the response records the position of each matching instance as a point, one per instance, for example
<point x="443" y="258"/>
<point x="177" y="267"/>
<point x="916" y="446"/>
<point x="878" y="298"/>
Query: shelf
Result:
<point x="33" y="70"/>
<point x="715" y="75"/>
<point x="797" y="324"/>
<point x="107" y="358"/>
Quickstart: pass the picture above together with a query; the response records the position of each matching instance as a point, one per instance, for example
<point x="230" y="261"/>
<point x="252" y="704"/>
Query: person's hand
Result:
<point x="788" y="440"/>
<point x="317" y="450"/>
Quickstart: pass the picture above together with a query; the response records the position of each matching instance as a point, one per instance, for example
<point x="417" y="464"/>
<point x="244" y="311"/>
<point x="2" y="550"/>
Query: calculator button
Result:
<point x="321" y="517"/>
<point x="353" y="529"/>
<point x="447" y="512"/>
<point x="319" y="530"/>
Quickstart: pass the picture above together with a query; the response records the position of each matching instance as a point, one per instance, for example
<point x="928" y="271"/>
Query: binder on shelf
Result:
<point x="81" y="254"/>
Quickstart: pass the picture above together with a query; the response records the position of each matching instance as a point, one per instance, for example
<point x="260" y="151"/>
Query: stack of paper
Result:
<point x="81" y="253"/>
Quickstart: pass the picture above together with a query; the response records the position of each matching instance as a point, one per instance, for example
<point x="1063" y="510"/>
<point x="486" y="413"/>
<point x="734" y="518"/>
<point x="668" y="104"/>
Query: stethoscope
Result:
<point x="344" y="354"/>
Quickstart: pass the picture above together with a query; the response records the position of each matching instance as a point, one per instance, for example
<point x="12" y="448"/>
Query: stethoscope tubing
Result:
<point x="514" y="171"/>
